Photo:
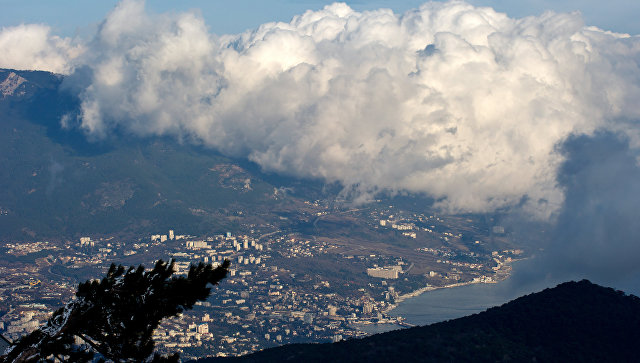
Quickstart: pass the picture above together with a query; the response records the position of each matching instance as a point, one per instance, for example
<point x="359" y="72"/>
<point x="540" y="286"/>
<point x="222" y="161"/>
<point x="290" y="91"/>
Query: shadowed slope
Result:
<point x="575" y="321"/>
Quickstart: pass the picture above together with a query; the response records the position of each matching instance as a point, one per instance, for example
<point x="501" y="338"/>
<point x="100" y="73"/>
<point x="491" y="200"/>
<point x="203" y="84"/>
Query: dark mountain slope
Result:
<point x="573" y="322"/>
<point x="54" y="183"/>
<point x="57" y="183"/>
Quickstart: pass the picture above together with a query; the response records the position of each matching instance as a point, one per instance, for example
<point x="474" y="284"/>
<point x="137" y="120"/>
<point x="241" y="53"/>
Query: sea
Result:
<point x="454" y="302"/>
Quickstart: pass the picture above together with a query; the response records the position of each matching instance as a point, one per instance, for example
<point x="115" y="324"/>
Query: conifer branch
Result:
<point x="117" y="315"/>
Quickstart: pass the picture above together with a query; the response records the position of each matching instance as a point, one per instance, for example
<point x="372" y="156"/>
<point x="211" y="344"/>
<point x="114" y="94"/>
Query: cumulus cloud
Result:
<point x="459" y="102"/>
<point x="32" y="47"/>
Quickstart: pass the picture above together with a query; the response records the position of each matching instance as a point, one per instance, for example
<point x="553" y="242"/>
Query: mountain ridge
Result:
<point x="57" y="184"/>
<point x="61" y="184"/>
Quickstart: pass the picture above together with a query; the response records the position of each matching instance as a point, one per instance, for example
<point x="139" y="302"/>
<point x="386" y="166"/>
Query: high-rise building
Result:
<point x="203" y="328"/>
<point x="384" y="272"/>
<point x="367" y="308"/>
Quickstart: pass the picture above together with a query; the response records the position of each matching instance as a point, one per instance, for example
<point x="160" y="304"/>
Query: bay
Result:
<point x="377" y="328"/>
<point x="455" y="302"/>
<point x="451" y="303"/>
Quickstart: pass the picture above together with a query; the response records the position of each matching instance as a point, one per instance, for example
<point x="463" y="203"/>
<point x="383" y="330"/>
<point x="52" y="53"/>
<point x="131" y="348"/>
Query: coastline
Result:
<point x="400" y="322"/>
<point x="421" y="291"/>
<point x="503" y="271"/>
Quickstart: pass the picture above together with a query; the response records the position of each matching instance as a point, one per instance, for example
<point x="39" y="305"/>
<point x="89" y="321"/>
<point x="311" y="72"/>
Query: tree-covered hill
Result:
<point x="573" y="322"/>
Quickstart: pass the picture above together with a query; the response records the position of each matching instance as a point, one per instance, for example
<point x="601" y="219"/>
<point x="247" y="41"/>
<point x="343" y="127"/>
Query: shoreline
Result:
<point x="503" y="273"/>
<point x="421" y="291"/>
<point x="401" y="322"/>
<point x="503" y="267"/>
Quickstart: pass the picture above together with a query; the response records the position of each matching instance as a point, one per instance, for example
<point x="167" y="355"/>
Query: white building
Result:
<point x="86" y="241"/>
<point x="196" y="244"/>
<point x="203" y="328"/>
<point x="385" y="272"/>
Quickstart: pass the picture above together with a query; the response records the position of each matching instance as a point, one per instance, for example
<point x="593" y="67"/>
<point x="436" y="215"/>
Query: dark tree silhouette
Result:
<point x="116" y="316"/>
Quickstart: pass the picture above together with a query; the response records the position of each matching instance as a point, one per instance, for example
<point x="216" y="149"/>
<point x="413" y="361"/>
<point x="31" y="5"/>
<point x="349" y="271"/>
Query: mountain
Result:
<point x="58" y="184"/>
<point x="573" y="322"/>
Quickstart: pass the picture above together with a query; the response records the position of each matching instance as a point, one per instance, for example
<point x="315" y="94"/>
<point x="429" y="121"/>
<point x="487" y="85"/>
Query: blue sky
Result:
<point x="69" y="17"/>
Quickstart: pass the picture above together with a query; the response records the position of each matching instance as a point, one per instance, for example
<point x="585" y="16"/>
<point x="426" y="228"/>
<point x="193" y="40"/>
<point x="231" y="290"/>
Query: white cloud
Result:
<point x="32" y="47"/>
<point x="460" y="102"/>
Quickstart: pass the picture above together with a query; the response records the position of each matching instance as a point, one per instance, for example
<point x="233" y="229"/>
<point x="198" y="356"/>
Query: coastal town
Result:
<point x="284" y="286"/>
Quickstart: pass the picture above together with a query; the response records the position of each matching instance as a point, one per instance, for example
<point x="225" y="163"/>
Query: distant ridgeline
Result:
<point x="573" y="322"/>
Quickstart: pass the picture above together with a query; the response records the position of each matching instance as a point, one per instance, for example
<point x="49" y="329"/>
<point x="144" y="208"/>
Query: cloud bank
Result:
<point x="459" y="102"/>
<point x="32" y="47"/>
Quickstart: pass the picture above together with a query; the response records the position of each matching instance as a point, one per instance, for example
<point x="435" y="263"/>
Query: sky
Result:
<point x="507" y="108"/>
<point x="68" y="17"/>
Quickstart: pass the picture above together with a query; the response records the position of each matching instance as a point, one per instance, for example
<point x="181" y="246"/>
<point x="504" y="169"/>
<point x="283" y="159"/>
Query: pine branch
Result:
<point x="91" y="343"/>
<point x="117" y="315"/>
